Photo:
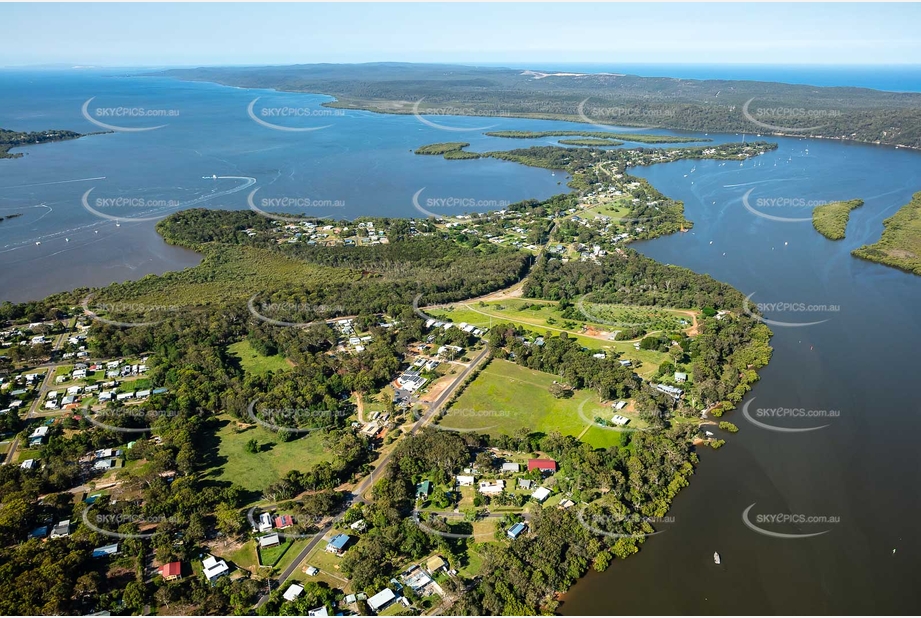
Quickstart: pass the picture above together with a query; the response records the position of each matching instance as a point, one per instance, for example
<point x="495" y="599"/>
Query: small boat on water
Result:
<point x="716" y="557"/>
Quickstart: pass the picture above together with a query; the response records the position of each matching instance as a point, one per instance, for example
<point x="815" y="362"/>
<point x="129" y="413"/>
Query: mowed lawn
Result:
<point x="254" y="362"/>
<point x="506" y="398"/>
<point x="256" y="471"/>
<point x="535" y="319"/>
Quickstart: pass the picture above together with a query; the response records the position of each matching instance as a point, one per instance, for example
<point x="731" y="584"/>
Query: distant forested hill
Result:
<point x="847" y="113"/>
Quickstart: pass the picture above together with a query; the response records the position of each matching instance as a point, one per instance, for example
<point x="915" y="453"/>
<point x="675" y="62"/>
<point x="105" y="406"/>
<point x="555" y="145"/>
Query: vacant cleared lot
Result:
<point x="254" y="362"/>
<point x="507" y="398"/>
<point x="256" y="471"/>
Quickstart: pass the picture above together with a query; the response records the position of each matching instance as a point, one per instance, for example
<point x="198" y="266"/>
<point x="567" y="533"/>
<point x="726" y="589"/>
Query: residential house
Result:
<point x="525" y="483"/>
<point x="435" y="564"/>
<point x="540" y="494"/>
<point x="680" y="377"/>
<point x="105" y="550"/>
<point x="337" y="544"/>
<point x="515" y="531"/>
<point x="465" y="481"/>
<point x="510" y="467"/>
<point x="284" y="521"/>
<point x="671" y="391"/>
<point x="269" y="540"/>
<point x="423" y="490"/>
<point x="214" y="568"/>
<point x="382" y="600"/>
<point x="544" y="465"/>
<point x="61" y="529"/>
<point x="171" y="571"/>
<point x="359" y="526"/>
<point x="492" y="487"/>
<point x="265" y="522"/>
<point x="293" y="591"/>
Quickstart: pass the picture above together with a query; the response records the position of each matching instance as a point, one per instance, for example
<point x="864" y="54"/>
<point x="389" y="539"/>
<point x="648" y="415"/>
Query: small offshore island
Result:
<point x="830" y="220"/>
<point x="524" y="361"/>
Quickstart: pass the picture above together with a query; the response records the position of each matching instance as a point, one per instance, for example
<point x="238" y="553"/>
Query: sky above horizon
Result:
<point x="522" y="33"/>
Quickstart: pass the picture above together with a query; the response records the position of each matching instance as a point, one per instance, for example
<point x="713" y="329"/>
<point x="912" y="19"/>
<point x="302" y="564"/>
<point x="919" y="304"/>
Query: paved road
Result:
<point x="381" y="464"/>
<point x="40" y="395"/>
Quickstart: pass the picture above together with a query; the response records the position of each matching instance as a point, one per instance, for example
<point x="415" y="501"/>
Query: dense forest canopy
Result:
<point x="848" y="113"/>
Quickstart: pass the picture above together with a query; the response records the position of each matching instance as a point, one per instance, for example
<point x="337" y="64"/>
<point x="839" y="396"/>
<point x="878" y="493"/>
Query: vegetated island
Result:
<point x="591" y="141"/>
<point x="644" y="138"/>
<point x="830" y="220"/>
<point x="900" y="244"/>
<point x="13" y="139"/>
<point x="705" y="106"/>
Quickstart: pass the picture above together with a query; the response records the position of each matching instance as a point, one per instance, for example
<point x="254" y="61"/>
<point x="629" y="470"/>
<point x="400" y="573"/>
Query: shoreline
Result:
<point x="338" y="103"/>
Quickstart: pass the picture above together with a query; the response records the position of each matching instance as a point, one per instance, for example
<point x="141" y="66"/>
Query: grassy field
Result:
<point x="507" y="398"/>
<point x="831" y="220"/>
<point x="541" y="317"/>
<point x="271" y="555"/>
<point x="255" y="471"/>
<point x="254" y="362"/>
<point x="244" y="557"/>
<point x="900" y="245"/>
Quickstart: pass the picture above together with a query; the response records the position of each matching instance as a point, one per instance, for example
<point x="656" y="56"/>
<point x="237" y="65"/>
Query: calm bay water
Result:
<point x="863" y="468"/>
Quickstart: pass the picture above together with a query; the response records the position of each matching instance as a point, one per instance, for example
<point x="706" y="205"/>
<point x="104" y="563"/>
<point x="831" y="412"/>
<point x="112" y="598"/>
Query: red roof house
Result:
<point x="284" y="521"/>
<point x="544" y="465"/>
<point x="171" y="571"/>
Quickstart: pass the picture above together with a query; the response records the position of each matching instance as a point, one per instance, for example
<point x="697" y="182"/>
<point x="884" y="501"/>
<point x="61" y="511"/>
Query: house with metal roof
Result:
<point x="337" y="544"/>
<point x="382" y="600"/>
